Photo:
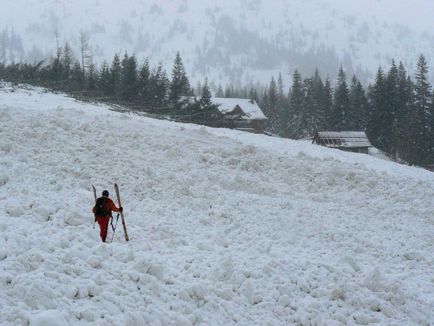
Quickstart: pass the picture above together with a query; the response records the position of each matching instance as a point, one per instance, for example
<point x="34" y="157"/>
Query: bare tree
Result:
<point x="86" y="56"/>
<point x="58" y="48"/>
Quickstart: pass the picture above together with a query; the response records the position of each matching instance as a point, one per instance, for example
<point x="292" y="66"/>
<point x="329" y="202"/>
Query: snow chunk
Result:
<point x="14" y="209"/>
<point x="147" y="267"/>
<point x="74" y="219"/>
<point x="223" y="271"/>
<point x="284" y="300"/>
<point x="38" y="295"/>
<point x="48" y="318"/>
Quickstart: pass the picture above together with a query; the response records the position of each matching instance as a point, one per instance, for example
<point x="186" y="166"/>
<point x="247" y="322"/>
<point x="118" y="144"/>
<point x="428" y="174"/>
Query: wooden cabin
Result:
<point x="350" y="141"/>
<point x="246" y="114"/>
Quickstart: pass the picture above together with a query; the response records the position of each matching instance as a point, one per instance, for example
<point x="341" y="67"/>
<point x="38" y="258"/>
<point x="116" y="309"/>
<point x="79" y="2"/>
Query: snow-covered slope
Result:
<point x="243" y="40"/>
<point x="226" y="227"/>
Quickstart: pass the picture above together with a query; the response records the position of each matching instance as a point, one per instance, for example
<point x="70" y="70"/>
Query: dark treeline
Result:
<point x="395" y="110"/>
<point x="123" y="81"/>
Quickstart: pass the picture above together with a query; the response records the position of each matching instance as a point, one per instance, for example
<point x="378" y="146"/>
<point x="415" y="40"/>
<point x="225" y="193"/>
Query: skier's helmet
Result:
<point x="105" y="193"/>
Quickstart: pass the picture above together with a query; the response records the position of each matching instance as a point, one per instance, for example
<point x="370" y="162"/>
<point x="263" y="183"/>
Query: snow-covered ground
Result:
<point x="225" y="227"/>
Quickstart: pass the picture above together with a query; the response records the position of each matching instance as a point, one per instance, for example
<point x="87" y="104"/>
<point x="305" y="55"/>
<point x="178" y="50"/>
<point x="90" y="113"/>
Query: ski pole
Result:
<point x="94" y="195"/>
<point x="114" y="228"/>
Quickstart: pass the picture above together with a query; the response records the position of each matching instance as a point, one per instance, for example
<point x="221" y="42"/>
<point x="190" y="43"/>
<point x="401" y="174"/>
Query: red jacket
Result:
<point x="109" y="206"/>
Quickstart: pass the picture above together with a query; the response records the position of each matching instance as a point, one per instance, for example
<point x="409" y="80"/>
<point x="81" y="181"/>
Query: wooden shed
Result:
<point x="350" y="141"/>
<point x="245" y="114"/>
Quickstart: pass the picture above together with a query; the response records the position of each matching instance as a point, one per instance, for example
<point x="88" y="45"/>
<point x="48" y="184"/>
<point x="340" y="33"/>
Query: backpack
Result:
<point x="100" y="207"/>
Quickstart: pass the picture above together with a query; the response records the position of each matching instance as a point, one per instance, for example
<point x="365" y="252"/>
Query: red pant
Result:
<point x="103" y="226"/>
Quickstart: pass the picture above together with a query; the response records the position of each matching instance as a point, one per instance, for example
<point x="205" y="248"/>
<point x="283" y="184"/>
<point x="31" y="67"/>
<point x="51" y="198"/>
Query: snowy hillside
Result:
<point x="238" y="41"/>
<point x="225" y="227"/>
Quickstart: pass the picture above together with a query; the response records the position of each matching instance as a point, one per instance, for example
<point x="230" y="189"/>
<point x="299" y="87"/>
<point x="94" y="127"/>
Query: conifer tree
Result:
<point x="319" y="109"/>
<point x="206" y="98"/>
<point x="56" y="70"/>
<point x="282" y="106"/>
<point x="390" y="122"/>
<point x="229" y="91"/>
<point x="264" y="101"/>
<point x="403" y="115"/>
<point x="328" y="105"/>
<point x="115" y="76"/>
<point x="341" y="118"/>
<point x="422" y="109"/>
<point x="430" y="159"/>
<point x="377" y="108"/>
<point x="67" y="61"/>
<point x="104" y="82"/>
<point x="91" y="81"/>
<point x="76" y="79"/>
<point x="280" y="93"/>
<point x="143" y="82"/>
<point x="296" y="101"/>
<point x="272" y="109"/>
<point x="308" y="113"/>
<point x="253" y="95"/>
<point x="158" y="85"/>
<point x="220" y="92"/>
<point x="129" y="78"/>
<point x="179" y="86"/>
<point x="358" y="105"/>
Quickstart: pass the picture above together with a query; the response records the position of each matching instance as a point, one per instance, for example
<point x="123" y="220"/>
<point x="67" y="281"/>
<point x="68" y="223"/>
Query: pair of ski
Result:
<point x="120" y="205"/>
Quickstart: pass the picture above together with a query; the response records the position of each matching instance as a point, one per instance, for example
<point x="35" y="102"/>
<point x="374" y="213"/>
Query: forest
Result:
<point x="395" y="110"/>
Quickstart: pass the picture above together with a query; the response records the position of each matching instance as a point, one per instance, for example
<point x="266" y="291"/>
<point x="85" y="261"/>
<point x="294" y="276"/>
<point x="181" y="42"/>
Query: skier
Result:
<point x="103" y="212"/>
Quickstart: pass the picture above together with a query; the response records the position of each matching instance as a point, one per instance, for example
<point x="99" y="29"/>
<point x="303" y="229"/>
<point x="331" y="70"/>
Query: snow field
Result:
<point x="225" y="227"/>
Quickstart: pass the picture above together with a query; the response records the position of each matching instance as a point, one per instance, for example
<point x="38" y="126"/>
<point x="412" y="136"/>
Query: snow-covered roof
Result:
<point x="342" y="139"/>
<point x="249" y="107"/>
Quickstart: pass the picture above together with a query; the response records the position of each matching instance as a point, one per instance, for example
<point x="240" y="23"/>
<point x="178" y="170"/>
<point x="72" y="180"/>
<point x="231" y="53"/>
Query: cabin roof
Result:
<point x="342" y="139"/>
<point x="250" y="108"/>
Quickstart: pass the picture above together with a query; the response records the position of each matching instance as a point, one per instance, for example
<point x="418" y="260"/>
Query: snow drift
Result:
<point x="225" y="227"/>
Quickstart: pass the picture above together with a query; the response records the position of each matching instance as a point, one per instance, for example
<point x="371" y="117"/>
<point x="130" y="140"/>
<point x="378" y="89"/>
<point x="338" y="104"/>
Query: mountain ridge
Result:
<point x="232" y="41"/>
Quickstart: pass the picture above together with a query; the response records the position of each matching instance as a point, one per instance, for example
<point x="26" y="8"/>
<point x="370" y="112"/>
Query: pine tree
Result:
<point x="282" y="105"/>
<point x="179" y="86"/>
<point x="220" y="92"/>
<point x="67" y="60"/>
<point x="206" y="97"/>
<point x="376" y="128"/>
<point x="308" y="113"/>
<point x="328" y="105"/>
<point x="129" y="78"/>
<point x="296" y="101"/>
<point x="358" y="105"/>
<point x="430" y="160"/>
<point x="76" y="79"/>
<point x="229" y="91"/>
<point x="253" y="95"/>
<point x="104" y="82"/>
<point x="390" y="122"/>
<point x="56" y="70"/>
<point x="403" y="115"/>
<point x="319" y="109"/>
<point x="115" y="76"/>
<point x="341" y="118"/>
<point x="280" y="92"/>
<point x="143" y="82"/>
<point x="158" y="86"/>
<point x="422" y="108"/>
<point x="91" y="81"/>
<point x="272" y="109"/>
